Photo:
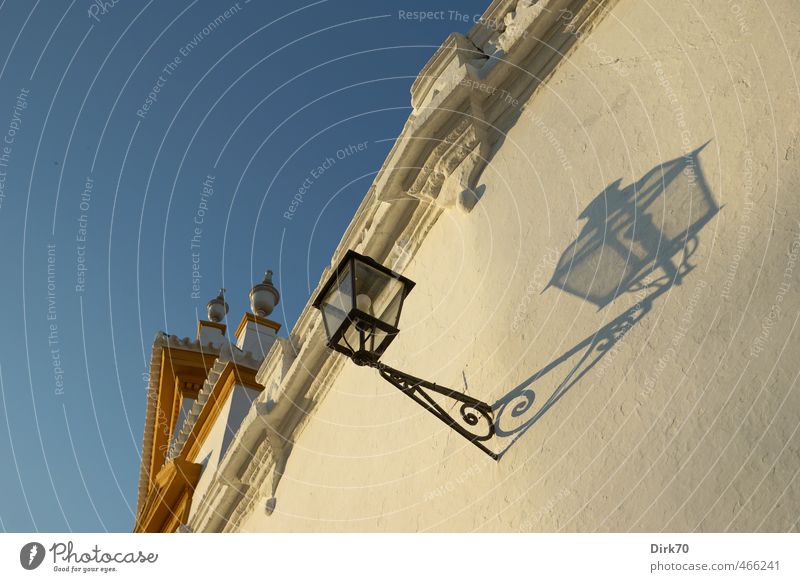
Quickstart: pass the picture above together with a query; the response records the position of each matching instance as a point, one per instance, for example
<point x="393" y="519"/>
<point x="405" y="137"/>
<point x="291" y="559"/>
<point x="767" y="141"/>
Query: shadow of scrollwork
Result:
<point x="640" y="240"/>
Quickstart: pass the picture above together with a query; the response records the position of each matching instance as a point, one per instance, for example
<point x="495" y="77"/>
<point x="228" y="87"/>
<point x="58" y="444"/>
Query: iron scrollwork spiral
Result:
<point x="476" y="422"/>
<point x="473" y="418"/>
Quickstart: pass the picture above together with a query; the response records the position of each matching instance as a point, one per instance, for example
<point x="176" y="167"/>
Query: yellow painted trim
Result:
<point x="230" y="376"/>
<point x="174" y="362"/>
<point x="203" y="323"/>
<point x="163" y="417"/>
<point x="169" y="500"/>
<point x="255" y="319"/>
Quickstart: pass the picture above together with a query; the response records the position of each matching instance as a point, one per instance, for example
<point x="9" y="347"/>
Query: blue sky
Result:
<point x="111" y="120"/>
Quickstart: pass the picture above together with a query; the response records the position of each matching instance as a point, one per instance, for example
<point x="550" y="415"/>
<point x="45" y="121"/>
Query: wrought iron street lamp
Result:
<point x="361" y="304"/>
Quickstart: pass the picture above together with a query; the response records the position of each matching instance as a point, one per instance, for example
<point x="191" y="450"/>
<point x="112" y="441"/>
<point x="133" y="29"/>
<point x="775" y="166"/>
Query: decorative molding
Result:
<point x="444" y="103"/>
<point x="224" y="374"/>
<point x="161" y="342"/>
<point x="203" y="323"/>
<point x="443" y="71"/>
<point x="169" y="499"/>
<point x="258" y="320"/>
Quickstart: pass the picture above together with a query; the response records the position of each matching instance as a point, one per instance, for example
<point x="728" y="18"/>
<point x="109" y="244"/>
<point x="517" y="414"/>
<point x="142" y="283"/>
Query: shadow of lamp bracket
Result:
<point x="360" y="304"/>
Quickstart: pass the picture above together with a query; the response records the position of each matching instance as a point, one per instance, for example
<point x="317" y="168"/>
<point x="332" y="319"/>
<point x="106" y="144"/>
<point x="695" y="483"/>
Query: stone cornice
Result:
<point x="491" y="24"/>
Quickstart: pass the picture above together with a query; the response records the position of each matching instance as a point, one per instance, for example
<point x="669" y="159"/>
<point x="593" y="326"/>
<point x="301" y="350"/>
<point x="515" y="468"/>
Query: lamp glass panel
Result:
<point x="338" y="302"/>
<point x="378" y="293"/>
<point x="379" y="340"/>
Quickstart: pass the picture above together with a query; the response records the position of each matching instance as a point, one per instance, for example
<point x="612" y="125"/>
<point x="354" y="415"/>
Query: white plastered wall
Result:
<point x="216" y="444"/>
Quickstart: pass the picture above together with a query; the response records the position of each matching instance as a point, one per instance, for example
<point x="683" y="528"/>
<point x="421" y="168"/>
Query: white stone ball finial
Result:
<point x="264" y="296"/>
<point x="217" y="307"/>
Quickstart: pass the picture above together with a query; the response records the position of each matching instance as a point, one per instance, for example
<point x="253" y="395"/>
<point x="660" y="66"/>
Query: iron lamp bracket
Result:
<point x="475" y="418"/>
